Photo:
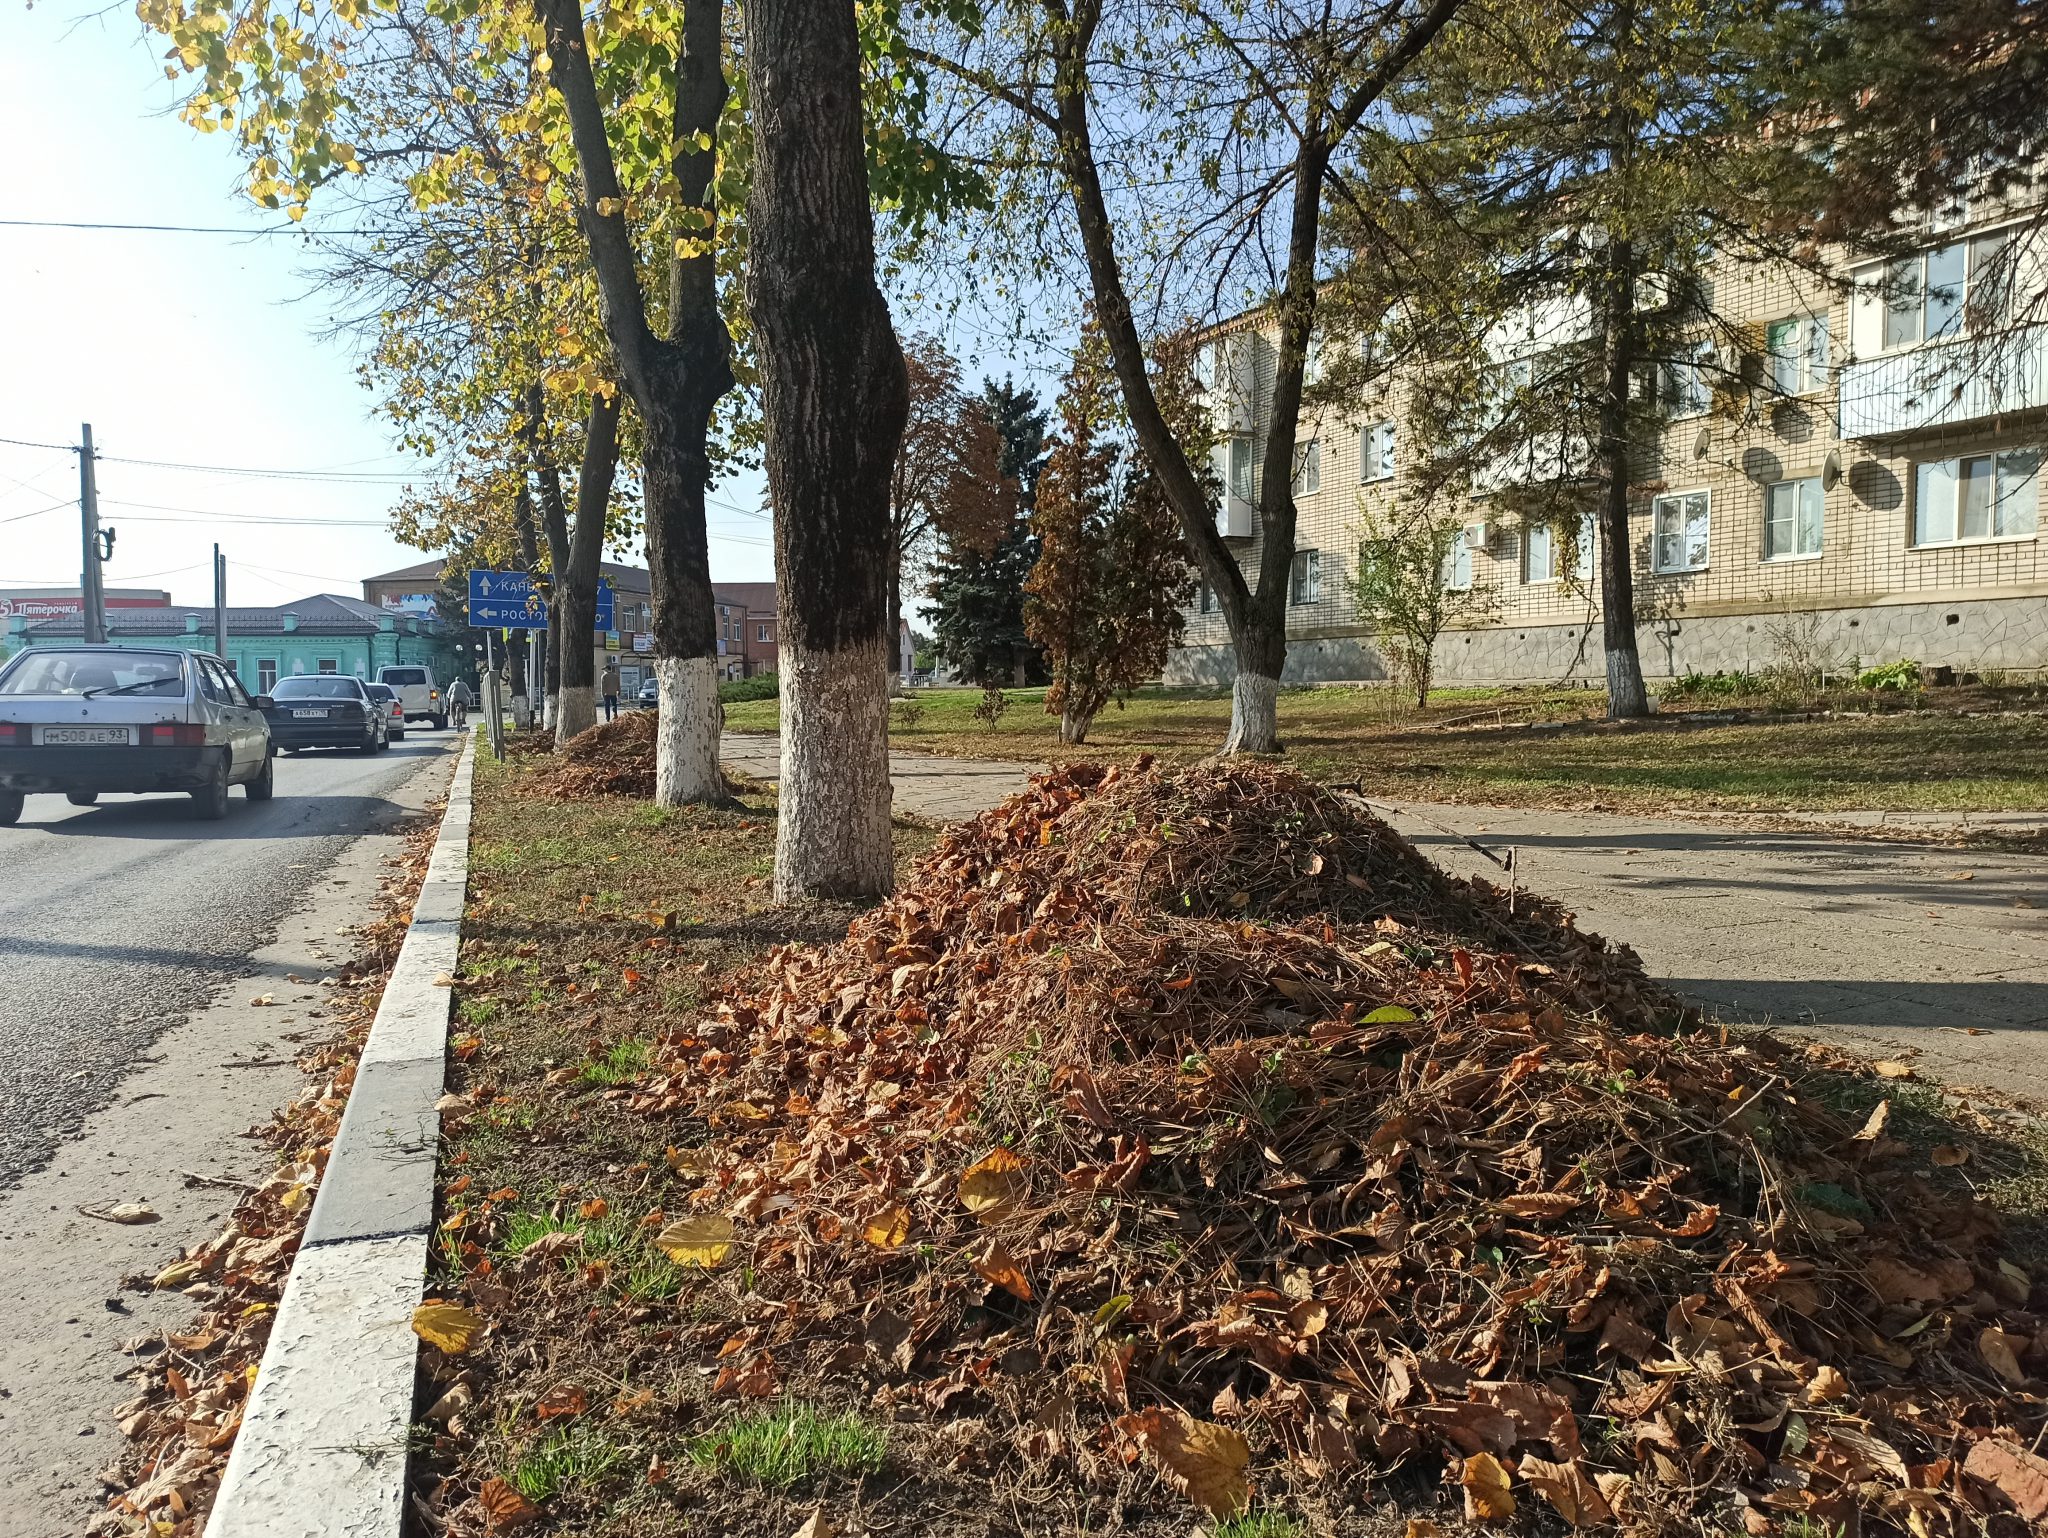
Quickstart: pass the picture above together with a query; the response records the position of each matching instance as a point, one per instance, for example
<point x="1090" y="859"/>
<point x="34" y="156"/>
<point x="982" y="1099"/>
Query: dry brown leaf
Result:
<point x="1422" y="1527"/>
<point x="817" y="1526"/>
<point x="887" y="1229"/>
<point x="1873" y="1125"/>
<point x="447" y="1326"/>
<point x="563" y="1399"/>
<point x="1538" y="1204"/>
<point x="703" y="1241"/>
<point x="504" y="1506"/>
<point x="1893" y="1070"/>
<point x="993" y="1184"/>
<point x="1827" y="1386"/>
<point x="2020" y="1476"/>
<point x="997" y="1267"/>
<point x="1204" y="1462"/>
<point x="2001" y="1352"/>
<point x="1565" y="1485"/>
<point x="1487" y="1496"/>
<point x="1948" y="1155"/>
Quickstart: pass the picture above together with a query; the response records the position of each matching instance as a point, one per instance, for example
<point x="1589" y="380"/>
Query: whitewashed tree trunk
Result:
<point x="834" y="839"/>
<point x="686" y="732"/>
<point x="1254" y="714"/>
<point x="575" y="710"/>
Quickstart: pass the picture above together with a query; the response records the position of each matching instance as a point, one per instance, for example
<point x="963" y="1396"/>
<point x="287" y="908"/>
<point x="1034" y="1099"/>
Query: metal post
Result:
<point x="92" y="595"/>
<point x="220" y="603"/>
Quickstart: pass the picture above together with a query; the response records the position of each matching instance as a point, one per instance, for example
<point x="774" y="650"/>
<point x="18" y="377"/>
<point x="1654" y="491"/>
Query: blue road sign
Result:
<point x="507" y="600"/>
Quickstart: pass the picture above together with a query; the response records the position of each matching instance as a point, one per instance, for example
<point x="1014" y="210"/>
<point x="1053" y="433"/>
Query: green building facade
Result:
<point x="325" y="633"/>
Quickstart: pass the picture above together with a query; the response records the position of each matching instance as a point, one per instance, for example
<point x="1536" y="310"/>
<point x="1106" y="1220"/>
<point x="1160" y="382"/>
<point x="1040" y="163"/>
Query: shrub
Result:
<point x="993" y="703"/>
<point x="1902" y="675"/>
<point x="762" y="686"/>
<point x="1713" y="686"/>
<point x="905" y="712"/>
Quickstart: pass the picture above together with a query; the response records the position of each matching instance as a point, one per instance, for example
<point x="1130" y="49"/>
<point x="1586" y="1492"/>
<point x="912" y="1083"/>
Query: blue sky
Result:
<point x="197" y="349"/>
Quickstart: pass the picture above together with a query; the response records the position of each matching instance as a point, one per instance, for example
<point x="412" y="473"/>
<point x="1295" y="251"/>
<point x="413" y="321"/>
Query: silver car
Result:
<point x="82" y="721"/>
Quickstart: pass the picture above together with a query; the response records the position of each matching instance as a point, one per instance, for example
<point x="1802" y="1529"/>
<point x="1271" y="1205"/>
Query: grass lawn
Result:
<point x="1529" y="747"/>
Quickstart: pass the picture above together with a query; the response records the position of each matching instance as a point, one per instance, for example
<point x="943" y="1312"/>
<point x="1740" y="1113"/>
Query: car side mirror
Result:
<point x="262" y="701"/>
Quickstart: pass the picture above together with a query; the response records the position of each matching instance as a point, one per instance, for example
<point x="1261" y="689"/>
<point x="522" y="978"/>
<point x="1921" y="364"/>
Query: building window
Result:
<point x="761" y="634"/>
<point x="1241" y="469"/>
<point x="327" y="665"/>
<point x="1587" y="548"/>
<point x="1934" y="295"/>
<point x="1376" y="453"/>
<point x="1458" y="559"/>
<point x="1205" y="601"/>
<point x="1305" y="578"/>
<point x="266" y="674"/>
<point x="1678" y="532"/>
<point x="1798" y="351"/>
<point x="1308" y="479"/>
<point x="1685" y="381"/>
<point x="1792" y="519"/>
<point x="1539" y="553"/>
<point x="1980" y="496"/>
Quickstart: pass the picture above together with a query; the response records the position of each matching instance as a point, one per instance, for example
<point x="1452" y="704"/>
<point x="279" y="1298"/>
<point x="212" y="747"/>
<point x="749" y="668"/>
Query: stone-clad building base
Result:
<point x="1968" y="634"/>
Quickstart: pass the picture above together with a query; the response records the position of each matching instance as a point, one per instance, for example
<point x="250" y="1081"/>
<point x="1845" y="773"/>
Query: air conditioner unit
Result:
<point x="1478" y="535"/>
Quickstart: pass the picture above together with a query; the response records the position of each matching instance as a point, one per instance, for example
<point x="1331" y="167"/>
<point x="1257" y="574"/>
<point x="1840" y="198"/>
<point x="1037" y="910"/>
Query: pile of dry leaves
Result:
<point x="613" y="758"/>
<point x="192" y="1384"/>
<point x="1195" y="1117"/>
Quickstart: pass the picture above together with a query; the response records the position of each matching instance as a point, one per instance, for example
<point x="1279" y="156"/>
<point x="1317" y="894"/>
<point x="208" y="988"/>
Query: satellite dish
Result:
<point x="1831" y="470"/>
<point x="1702" y="443"/>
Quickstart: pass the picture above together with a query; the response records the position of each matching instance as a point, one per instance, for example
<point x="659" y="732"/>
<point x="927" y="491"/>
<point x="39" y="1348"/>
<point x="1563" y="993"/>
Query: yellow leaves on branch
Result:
<point x="1203" y="1461"/>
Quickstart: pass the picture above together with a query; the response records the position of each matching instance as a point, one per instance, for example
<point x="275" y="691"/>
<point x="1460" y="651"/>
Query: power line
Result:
<point x="173" y="229"/>
<point x="67" y="502"/>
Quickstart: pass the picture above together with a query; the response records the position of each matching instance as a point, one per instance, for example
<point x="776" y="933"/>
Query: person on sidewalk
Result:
<point x="611" y="690"/>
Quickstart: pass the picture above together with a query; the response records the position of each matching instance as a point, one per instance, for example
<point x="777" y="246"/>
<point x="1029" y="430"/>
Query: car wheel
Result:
<point x="370" y="743"/>
<point x="264" y="786"/>
<point x="81" y="797"/>
<point x="440" y="723"/>
<point x="10" y="808"/>
<point x="210" y="801"/>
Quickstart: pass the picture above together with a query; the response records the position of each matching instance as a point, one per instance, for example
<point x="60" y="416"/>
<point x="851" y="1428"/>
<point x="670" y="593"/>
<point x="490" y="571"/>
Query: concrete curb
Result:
<point x="322" y="1450"/>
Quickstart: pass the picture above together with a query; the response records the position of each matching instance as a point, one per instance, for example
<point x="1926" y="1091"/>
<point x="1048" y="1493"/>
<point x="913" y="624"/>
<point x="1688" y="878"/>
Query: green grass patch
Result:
<point x="619" y="1063"/>
<point x="1260" y="1524"/>
<point x="784" y="1446"/>
<point x="579" y="1456"/>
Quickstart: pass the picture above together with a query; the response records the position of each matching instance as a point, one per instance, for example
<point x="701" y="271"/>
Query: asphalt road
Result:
<point x="117" y="920"/>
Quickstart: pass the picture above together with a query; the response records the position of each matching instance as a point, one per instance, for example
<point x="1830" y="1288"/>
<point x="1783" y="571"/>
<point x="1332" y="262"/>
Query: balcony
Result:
<point x="1544" y="458"/>
<point x="1945" y="384"/>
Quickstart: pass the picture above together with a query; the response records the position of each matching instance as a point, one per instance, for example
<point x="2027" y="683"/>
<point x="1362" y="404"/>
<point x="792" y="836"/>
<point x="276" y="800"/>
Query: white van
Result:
<point x="417" y="693"/>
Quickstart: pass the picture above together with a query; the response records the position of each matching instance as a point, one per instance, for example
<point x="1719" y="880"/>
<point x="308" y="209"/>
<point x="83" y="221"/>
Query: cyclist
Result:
<point x="458" y="704"/>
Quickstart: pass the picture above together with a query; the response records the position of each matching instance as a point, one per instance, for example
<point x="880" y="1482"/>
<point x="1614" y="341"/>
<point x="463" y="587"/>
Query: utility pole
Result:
<point x="220" y="604"/>
<point x="92" y="592"/>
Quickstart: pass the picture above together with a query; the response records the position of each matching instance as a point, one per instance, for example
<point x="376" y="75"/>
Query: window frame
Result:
<point x="327" y="666"/>
<point x="266" y="666"/>
<point x="1870" y="281"/>
<point x="1459" y="557"/>
<point x="1790" y="484"/>
<point x="1550" y="547"/>
<point x="1657" y="504"/>
<point x="1698" y="400"/>
<point x="1378" y="449"/>
<point x="1914" y="539"/>
<point x="1305" y="579"/>
<point x="1308" y="475"/>
<point x="1811" y="362"/>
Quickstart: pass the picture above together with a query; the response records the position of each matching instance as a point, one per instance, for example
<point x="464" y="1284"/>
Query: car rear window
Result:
<point x="55" y="671"/>
<point x="399" y="677"/>
<point x="378" y="692"/>
<point x="317" y="686"/>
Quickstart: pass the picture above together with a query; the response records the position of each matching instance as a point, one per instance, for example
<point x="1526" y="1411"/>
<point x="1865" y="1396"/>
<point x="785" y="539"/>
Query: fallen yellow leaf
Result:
<point x="449" y="1326"/>
<point x="997" y="1267"/>
<point x="1893" y="1070"/>
<point x="993" y="1183"/>
<point x="1203" y="1461"/>
<point x="888" y="1228"/>
<point x="1487" y="1497"/>
<point x="702" y="1242"/>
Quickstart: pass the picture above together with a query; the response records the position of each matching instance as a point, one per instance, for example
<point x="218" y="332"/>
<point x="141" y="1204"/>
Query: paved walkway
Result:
<point x="1892" y="946"/>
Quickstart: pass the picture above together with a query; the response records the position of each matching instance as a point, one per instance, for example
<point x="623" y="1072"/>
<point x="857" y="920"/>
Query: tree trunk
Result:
<point x="835" y="398"/>
<point x="1626" y="696"/>
<point x="576" y="588"/>
<point x="895" y="641"/>
<point x="676" y="381"/>
<point x="1074" y="727"/>
<point x="1255" y="691"/>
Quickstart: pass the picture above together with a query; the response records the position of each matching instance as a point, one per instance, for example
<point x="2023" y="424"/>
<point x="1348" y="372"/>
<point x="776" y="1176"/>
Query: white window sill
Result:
<point x="1676" y="571"/>
<point x="1788" y="560"/>
<point x="1971" y="544"/>
<point x="1539" y="582"/>
<point x="1379" y="480"/>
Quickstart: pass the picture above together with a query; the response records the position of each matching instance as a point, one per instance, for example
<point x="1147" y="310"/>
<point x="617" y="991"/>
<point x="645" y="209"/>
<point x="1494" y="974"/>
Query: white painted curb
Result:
<point x="322" y="1450"/>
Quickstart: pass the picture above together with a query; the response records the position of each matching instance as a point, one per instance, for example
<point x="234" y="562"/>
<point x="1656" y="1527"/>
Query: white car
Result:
<point x="414" y="685"/>
<point x="81" y="721"/>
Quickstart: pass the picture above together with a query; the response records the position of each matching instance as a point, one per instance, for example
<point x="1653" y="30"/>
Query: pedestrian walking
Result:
<point x="611" y="690"/>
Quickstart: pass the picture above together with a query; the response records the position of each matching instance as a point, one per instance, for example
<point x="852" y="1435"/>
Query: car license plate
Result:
<point x="86" y="736"/>
<point x="310" y="715"/>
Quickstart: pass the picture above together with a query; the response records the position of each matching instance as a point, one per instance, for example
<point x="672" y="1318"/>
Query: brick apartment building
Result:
<point x="1880" y="487"/>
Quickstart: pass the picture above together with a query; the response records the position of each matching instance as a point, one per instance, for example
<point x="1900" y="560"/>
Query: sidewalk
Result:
<point x="1894" y="946"/>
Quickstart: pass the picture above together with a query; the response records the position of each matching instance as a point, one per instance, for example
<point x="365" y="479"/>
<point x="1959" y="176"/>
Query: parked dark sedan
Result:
<point x="326" y="710"/>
